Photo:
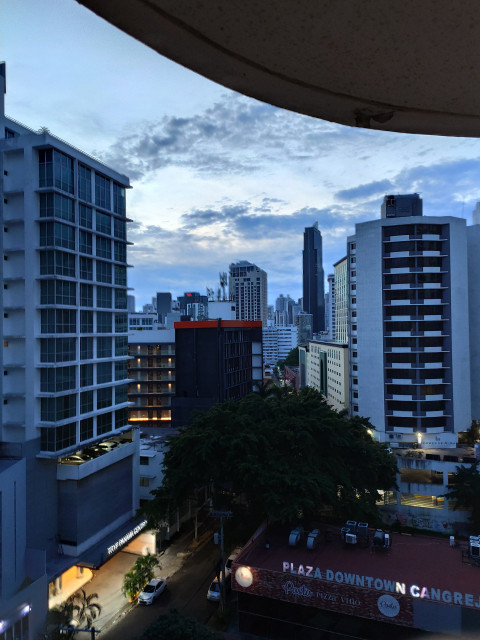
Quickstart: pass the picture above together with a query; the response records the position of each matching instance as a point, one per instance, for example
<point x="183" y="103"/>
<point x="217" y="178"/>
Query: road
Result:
<point x="186" y="592"/>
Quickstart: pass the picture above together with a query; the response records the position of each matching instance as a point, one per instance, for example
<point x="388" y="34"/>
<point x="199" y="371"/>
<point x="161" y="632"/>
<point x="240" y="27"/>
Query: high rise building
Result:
<point x="278" y="342"/>
<point x="330" y="306"/>
<point x="163" y="306"/>
<point x="194" y="305"/>
<point x="313" y="277"/>
<point x="248" y="287"/>
<point x="65" y="443"/>
<point x="410" y="317"/>
<point x="341" y="300"/>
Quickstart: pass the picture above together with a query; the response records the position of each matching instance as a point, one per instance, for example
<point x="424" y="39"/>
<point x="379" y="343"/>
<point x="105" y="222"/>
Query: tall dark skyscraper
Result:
<point x="313" y="277"/>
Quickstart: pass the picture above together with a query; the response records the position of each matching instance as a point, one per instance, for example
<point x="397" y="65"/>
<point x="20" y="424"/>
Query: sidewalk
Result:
<point x="107" y="581"/>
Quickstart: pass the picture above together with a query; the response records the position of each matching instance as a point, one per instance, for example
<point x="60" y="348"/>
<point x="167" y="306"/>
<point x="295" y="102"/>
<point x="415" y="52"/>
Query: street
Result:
<point x="186" y="592"/>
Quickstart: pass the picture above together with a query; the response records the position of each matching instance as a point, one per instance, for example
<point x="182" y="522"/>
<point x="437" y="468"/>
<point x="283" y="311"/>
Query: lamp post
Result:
<point x="222" y="515"/>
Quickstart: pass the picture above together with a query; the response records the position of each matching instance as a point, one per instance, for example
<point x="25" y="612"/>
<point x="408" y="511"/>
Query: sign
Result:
<point x="126" y="538"/>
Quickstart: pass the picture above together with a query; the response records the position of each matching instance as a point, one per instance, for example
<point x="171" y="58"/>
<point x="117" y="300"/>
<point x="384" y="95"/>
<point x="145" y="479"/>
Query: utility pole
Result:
<point x="222" y="514"/>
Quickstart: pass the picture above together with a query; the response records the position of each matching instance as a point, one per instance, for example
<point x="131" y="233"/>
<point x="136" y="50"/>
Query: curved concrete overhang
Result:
<point x="396" y="65"/>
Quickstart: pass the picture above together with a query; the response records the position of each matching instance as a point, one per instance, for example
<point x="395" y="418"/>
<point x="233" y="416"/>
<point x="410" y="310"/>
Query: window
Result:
<point x="85" y="242"/>
<point x="353" y="274"/>
<point x="104" y="372"/>
<point x="65" y="292"/>
<point x="121" y="323"/>
<point x="64" y="264"/>
<point x="45" y="166"/>
<point x="121" y="346"/>
<point x="120" y="275"/>
<point x="86" y="401"/>
<point x="84" y="183"/>
<point x="86" y="269"/>
<point x="121" y="417"/>
<point x="86" y="429"/>
<point x="104" y="347"/>
<point x="57" y="438"/>
<point x="47" y="321"/>
<point x="118" y="199"/>
<point x="56" y="205"/>
<point x="104" y="272"/>
<point x="353" y="287"/>
<point x="353" y="246"/>
<point x="120" y="370"/>
<point x="86" y="321"/>
<point x="104" y="423"/>
<point x="353" y="260"/>
<point x="120" y="251"/>
<point x="86" y="375"/>
<point x="103" y="223"/>
<point x="354" y="327"/>
<point x="57" y="234"/>
<point x="104" y="322"/>
<point x="120" y="299"/>
<point x="121" y="394"/>
<point x="144" y="460"/>
<point x="102" y="191"/>
<point x="85" y="216"/>
<point x="354" y="354"/>
<point x="57" y="379"/>
<point x="119" y="229"/>
<point x="104" y="298"/>
<point x="354" y="301"/>
<point x="55" y="409"/>
<point x="65" y="320"/>
<point x="103" y="247"/>
<point x="355" y="407"/>
<point x="144" y="482"/>
<point x="86" y="295"/>
<point x="57" y="349"/>
<point x="62" y="171"/>
<point x="86" y="348"/>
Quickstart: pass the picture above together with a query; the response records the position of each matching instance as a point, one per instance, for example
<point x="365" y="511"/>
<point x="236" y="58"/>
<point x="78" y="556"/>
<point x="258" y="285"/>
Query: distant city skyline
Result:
<point x="217" y="177"/>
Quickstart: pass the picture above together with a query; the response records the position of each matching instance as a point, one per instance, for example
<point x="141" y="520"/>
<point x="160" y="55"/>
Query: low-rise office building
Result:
<point x="324" y="367"/>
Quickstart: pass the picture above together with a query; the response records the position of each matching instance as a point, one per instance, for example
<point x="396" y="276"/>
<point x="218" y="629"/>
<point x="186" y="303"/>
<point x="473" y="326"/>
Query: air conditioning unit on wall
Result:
<point x="399" y="436"/>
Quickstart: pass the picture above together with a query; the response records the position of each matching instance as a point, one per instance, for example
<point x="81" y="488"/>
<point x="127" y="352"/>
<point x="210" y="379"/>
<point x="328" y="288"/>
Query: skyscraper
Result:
<point x="248" y="287"/>
<point x="409" y="285"/>
<point x="65" y="445"/>
<point x="313" y="277"/>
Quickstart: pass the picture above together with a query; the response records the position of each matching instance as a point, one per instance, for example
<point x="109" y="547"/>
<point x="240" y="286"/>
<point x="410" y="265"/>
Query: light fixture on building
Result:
<point x="244" y="577"/>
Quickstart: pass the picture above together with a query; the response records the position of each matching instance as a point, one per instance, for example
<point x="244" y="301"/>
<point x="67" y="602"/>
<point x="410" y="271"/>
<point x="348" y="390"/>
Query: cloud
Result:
<point x="234" y="136"/>
<point x="363" y="190"/>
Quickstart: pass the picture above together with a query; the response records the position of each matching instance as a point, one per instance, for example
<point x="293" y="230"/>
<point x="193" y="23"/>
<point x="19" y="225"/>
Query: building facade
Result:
<point x="409" y="318"/>
<point x="151" y="372"/>
<point x="341" y="300"/>
<point x="248" y="287"/>
<point x="278" y="342"/>
<point x="313" y="277"/>
<point x="216" y="360"/>
<point x="65" y="440"/>
<point x="324" y="367"/>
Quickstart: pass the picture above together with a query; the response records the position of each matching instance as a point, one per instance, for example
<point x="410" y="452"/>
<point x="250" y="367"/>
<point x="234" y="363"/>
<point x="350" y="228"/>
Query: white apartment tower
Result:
<point x="408" y="287"/>
<point x="248" y="287"/>
<point x="64" y="369"/>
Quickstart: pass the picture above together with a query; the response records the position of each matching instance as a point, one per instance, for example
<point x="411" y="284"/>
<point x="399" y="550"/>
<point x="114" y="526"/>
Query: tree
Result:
<point x="286" y="455"/>
<point x="139" y="575"/>
<point x="84" y="608"/>
<point x="465" y="492"/>
<point x="175" y="626"/>
<point x="291" y="360"/>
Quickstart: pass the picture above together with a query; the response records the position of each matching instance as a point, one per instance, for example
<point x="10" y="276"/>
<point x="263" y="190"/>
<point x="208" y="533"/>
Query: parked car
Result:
<point x="213" y="592"/>
<point x="152" y="590"/>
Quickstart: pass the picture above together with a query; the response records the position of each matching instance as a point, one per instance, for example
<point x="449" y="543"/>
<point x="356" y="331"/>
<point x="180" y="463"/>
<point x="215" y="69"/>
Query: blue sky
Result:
<point x="216" y="177"/>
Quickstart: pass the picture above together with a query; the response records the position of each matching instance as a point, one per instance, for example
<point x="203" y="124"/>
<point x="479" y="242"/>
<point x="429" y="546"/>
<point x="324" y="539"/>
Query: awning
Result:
<point x="111" y="544"/>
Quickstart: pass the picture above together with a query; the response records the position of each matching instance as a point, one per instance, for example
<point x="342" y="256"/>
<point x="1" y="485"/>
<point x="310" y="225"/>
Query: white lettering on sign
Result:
<point x="124" y="539"/>
<point x="383" y="584"/>
<point x="290" y="588"/>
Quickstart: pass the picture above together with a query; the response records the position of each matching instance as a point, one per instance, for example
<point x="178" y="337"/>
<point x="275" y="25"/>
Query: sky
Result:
<point x="216" y="177"/>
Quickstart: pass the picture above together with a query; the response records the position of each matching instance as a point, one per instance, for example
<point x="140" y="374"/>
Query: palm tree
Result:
<point x="84" y="608"/>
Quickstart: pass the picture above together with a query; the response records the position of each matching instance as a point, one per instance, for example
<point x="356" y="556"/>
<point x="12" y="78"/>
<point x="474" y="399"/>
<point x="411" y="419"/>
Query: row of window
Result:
<point x="58" y="438"/>
<point x="64" y="292"/>
<point x="64" y="407"/>
<point x="53" y="380"/>
<point x="56" y="169"/>
<point x="57" y="234"/>
<point x="63" y="264"/>
<point x="65" y="349"/>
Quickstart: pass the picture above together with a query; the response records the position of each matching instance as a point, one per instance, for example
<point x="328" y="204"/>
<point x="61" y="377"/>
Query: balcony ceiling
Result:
<point x="398" y="65"/>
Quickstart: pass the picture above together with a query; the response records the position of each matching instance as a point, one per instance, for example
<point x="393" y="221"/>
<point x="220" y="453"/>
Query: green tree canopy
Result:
<point x="287" y="455"/>
<point x="139" y="575"/>
<point x="464" y="491"/>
